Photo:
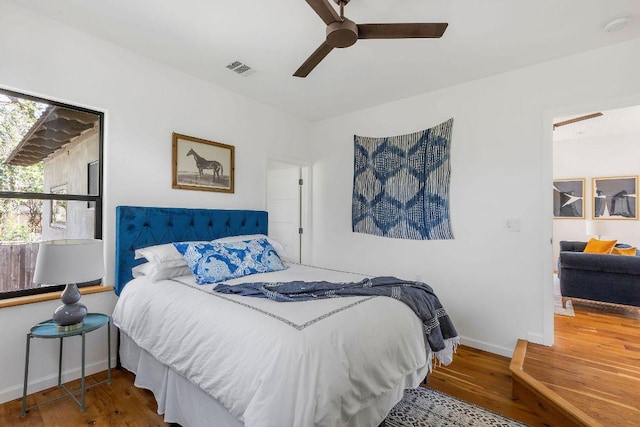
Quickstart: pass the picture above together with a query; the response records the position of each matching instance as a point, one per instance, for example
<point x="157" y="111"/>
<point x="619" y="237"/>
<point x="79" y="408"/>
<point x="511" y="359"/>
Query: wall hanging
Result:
<point x="401" y="184"/>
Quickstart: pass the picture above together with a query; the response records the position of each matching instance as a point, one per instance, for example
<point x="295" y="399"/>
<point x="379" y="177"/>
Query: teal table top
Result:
<point x="47" y="329"/>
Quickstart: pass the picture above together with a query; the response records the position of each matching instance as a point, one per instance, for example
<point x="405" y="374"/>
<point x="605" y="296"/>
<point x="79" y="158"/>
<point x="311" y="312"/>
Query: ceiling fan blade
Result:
<point x="577" y="119"/>
<point x="313" y="60"/>
<point x="401" y="31"/>
<point x="324" y="10"/>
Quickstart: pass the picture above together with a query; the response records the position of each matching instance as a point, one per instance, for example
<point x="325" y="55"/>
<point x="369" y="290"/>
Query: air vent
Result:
<point x="241" y="69"/>
<point x="234" y="64"/>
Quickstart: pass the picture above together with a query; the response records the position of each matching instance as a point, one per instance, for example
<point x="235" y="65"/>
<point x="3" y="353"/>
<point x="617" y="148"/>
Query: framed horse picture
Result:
<point x="203" y="165"/>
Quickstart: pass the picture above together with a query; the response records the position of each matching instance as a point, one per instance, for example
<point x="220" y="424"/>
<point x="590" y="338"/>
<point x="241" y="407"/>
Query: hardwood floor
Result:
<point x="595" y="364"/>
<point x="483" y="379"/>
<point x="121" y="404"/>
<point x="475" y="376"/>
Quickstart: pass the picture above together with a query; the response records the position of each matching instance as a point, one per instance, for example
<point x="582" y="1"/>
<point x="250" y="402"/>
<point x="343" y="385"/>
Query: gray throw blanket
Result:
<point x="418" y="296"/>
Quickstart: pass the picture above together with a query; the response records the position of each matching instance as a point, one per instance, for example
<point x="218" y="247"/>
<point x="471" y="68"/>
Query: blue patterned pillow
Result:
<point x="214" y="262"/>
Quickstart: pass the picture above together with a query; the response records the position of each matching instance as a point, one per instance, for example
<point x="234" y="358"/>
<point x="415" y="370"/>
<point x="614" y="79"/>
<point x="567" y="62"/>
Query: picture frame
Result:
<point x="199" y="164"/>
<point x="568" y="198"/>
<point x="58" y="208"/>
<point x="615" y="197"/>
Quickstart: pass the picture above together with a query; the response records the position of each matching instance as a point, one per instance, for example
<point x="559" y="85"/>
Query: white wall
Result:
<point x="144" y="103"/>
<point x="615" y="155"/>
<point x="43" y="367"/>
<point x="495" y="284"/>
<point x="68" y="166"/>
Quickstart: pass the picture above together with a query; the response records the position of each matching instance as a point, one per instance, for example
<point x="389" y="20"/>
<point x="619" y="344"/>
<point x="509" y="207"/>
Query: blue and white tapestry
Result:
<point x="401" y="185"/>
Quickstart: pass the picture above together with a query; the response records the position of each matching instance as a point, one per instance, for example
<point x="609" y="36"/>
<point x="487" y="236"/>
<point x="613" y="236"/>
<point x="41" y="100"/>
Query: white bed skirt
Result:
<point x="180" y="401"/>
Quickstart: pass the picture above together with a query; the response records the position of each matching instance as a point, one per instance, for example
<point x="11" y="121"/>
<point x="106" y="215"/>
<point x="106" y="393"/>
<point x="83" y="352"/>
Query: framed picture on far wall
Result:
<point x="615" y="197"/>
<point x="203" y="165"/>
<point x="568" y="198"/>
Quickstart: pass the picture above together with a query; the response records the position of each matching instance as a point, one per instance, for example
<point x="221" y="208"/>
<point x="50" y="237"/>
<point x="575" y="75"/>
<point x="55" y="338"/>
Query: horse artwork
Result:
<point x="212" y="167"/>
<point x="202" y="164"/>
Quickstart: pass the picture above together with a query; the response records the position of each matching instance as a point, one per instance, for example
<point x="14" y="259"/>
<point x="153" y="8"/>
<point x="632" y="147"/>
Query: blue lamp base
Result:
<point x="71" y="314"/>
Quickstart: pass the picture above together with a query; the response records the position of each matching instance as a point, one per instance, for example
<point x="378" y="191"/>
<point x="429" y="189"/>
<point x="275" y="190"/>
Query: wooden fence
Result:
<point x="17" y="263"/>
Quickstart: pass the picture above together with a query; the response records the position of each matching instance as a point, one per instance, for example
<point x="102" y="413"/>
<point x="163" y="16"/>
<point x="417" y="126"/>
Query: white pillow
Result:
<point x="162" y="254"/>
<point x="159" y="271"/>
<point x="282" y="252"/>
<point x="141" y="270"/>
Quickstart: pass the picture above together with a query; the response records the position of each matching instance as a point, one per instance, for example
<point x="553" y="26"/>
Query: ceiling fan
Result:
<point x="576" y="119"/>
<point x="343" y="32"/>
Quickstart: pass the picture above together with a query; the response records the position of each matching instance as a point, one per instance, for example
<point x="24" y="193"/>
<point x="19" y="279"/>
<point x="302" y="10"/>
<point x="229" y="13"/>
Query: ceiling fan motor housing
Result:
<point x="342" y="33"/>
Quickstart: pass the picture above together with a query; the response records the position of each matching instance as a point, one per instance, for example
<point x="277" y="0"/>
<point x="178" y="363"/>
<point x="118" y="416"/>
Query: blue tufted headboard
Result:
<point x="138" y="227"/>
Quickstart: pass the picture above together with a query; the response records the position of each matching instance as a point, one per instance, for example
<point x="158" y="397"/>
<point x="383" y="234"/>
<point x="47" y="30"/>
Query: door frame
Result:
<point x="306" y="256"/>
<point x="548" y="333"/>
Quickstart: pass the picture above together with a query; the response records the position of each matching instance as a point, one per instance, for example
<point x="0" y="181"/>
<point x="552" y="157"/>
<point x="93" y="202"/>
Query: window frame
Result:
<point x="97" y="199"/>
<point x="90" y="169"/>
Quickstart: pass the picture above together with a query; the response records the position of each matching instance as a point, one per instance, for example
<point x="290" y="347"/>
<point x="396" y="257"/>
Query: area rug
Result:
<point x="425" y="407"/>
<point x="557" y="300"/>
<point x="607" y="308"/>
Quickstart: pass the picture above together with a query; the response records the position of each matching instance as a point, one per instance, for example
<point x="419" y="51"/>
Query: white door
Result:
<point x="283" y="205"/>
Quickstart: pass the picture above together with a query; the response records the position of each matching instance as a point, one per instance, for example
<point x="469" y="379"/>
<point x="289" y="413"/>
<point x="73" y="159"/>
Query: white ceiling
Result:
<point x="621" y="121"/>
<point x="274" y="37"/>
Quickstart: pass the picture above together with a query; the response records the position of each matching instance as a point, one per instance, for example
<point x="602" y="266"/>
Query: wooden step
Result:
<point x="550" y="406"/>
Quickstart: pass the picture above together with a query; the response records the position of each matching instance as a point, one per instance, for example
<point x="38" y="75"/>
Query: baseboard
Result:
<point x="535" y="338"/>
<point x="43" y="383"/>
<point x="484" y="346"/>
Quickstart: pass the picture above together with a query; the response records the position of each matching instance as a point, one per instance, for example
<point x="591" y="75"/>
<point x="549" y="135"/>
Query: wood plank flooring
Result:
<point x="121" y="404"/>
<point x="594" y="363"/>
<point x="475" y="376"/>
<point x="608" y="345"/>
<point x="483" y="379"/>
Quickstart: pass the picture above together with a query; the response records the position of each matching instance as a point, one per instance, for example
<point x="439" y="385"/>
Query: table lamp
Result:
<point x="68" y="262"/>
<point x="594" y="228"/>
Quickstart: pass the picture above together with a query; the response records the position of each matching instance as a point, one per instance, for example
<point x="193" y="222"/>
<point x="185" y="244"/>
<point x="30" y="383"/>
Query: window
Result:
<point x="50" y="183"/>
<point x="93" y="177"/>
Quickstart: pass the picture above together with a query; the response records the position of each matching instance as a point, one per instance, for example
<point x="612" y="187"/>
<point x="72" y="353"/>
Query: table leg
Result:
<point x="82" y="384"/>
<point x="26" y="376"/>
<point x="109" y="350"/>
<point x="60" y="364"/>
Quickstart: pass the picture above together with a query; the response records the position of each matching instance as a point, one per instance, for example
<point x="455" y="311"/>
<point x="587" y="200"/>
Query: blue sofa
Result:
<point x="606" y="278"/>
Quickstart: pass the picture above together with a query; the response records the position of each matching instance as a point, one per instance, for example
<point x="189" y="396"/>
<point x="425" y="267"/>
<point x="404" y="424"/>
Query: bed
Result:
<point x="219" y="359"/>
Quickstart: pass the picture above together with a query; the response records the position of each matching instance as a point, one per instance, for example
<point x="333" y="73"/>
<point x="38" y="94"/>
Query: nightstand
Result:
<point x="47" y="329"/>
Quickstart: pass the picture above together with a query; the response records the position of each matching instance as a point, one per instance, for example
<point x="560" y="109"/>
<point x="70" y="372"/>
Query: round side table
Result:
<point x="48" y="329"/>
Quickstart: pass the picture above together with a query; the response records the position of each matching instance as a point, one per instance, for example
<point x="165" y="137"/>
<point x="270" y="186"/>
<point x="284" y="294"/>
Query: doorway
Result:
<point x="594" y="150"/>
<point x="591" y="150"/>
<point x="570" y="146"/>
<point x="286" y="196"/>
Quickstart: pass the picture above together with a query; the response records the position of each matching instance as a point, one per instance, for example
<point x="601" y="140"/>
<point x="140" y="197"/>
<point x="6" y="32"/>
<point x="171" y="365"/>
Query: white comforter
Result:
<point x="277" y="364"/>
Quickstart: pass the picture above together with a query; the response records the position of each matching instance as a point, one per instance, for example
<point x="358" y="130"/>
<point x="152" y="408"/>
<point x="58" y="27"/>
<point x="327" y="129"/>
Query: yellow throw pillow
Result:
<point x="624" y="251"/>
<point x="595" y="246"/>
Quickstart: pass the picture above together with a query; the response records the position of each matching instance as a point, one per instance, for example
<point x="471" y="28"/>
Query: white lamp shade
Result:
<point x="594" y="228"/>
<point x="66" y="261"/>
